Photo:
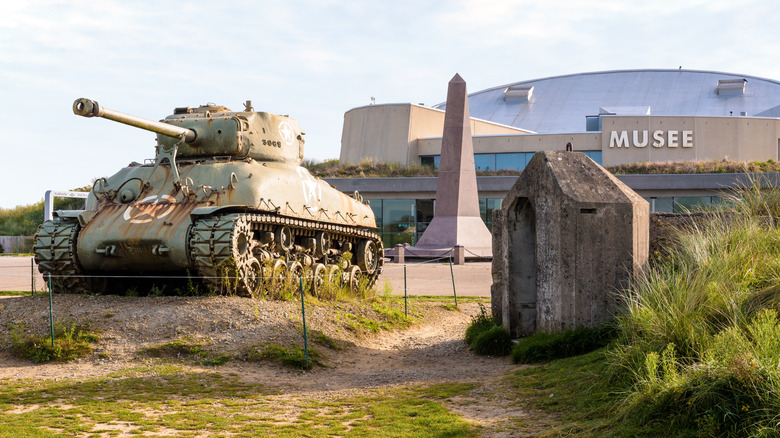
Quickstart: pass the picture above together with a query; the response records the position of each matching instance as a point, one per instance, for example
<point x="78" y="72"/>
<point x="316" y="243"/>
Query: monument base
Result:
<point x="459" y="254"/>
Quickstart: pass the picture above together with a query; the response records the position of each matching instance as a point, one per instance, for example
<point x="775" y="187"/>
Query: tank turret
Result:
<point x="225" y="195"/>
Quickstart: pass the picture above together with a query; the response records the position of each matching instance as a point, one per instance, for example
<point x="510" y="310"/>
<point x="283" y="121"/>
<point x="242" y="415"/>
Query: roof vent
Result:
<point x="731" y="87"/>
<point x="518" y="93"/>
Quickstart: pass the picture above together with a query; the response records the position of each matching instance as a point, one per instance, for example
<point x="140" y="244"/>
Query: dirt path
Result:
<point x="430" y="352"/>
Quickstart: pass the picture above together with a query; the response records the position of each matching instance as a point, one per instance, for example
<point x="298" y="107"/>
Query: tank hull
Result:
<point x="151" y="233"/>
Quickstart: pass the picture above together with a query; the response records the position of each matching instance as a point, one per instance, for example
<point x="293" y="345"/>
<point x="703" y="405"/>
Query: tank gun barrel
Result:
<point x="90" y="108"/>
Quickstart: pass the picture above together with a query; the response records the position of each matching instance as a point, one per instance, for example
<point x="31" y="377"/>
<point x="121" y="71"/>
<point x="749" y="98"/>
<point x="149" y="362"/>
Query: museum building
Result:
<point x="614" y="117"/>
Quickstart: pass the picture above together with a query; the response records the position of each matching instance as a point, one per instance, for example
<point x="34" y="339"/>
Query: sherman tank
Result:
<point x="224" y="197"/>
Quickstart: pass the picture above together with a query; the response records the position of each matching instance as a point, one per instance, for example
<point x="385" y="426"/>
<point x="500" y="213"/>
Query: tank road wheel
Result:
<point x="251" y="278"/>
<point x="275" y="281"/>
<point x="352" y="278"/>
<point x="316" y="281"/>
<point x="55" y="254"/>
<point x="295" y="271"/>
<point x="367" y="256"/>
<point x="284" y="239"/>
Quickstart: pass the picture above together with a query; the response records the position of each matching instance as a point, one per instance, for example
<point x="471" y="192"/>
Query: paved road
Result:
<point x="15" y="274"/>
<point x="471" y="279"/>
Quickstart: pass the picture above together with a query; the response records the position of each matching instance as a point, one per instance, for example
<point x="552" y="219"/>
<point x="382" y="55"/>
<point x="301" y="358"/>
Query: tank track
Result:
<point x="214" y="240"/>
<point x="55" y="254"/>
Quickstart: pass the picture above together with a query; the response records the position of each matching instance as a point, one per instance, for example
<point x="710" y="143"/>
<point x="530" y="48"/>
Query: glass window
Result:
<point x="486" y="208"/>
<point x="718" y="202"/>
<point x="424" y="215"/>
<point x="430" y="160"/>
<point x="592" y="123"/>
<point x="398" y="221"/>
<point x="516" y="161"/>
<point x="594" y="155"/>
<point x="485" y="161"/>
<point x="663" y="205"/>
<point x="376" y="207"/>
<point x="684" y="204"/>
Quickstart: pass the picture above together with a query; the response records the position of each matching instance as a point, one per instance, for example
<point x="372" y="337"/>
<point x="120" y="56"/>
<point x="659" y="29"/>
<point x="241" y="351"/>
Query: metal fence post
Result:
<point x="303" y="313"/>
<point x="406" y="306"/>
<point x="452" y="274"/>
<point x="51" y="314"/>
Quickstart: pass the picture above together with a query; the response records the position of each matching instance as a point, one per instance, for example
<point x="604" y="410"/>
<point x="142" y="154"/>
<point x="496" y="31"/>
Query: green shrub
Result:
<point x="485" y="337"/>
<point x="185" y="346"/>
<point x="71" y="341"/>
<point x="542" y="347"/>
<point x="480" y="323"/>
<point x="494" y="341"/>
<point x="294" y="357"/>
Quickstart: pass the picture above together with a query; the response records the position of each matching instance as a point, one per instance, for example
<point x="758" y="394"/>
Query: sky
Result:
<point x="316" y="60"/>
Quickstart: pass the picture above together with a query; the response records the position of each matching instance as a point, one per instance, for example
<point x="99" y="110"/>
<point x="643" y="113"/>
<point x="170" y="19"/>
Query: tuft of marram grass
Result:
<point x="700" y="340"/>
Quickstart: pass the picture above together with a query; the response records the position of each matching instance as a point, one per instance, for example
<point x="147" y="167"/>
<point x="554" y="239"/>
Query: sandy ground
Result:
<point x="471" y="279"/>
<point x="431" y="351"/>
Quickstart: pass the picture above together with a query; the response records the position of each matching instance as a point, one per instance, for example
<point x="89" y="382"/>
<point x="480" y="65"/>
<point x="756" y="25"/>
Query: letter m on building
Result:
<point x="618" y="139"/>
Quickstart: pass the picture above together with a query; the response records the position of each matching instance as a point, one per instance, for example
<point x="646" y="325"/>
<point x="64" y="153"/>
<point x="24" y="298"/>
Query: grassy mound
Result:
<point x="699" y="343"/>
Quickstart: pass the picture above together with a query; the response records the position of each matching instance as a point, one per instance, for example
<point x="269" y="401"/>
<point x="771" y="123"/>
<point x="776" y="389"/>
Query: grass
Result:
<point x="152" y="400"/>
<point x="541" y="347"/>
<point x="486" y="337"/>
<point x="186" y="348"/>
<point x="290" y="356"/>
<point x="72" y="340"/>
<point x="695" y="167"/>
<point x="372" y="168"/>
<point x="699" y="341"/>
<point x="14" y="293"/>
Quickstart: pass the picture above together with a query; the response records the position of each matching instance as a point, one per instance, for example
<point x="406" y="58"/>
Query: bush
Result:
<point x="480" y="323"/>
<point x="541" y="347"/>
<point x="485" y="337"/>
<point x="293" y="357"/>
<point x="71" y="341"/>
<point x="495" y="341"/>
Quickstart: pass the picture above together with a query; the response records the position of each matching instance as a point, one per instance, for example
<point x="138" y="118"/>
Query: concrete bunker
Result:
<point x="567" y="237"/>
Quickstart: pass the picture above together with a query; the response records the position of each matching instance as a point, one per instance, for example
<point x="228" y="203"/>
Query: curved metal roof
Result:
<point x="561" y="103"/>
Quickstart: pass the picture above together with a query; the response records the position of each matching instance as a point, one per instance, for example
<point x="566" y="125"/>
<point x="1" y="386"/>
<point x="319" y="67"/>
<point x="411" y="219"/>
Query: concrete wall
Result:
<point x="709" y="138"/>
<point x="377" y="131"/>
<point x="392" y="132"/>
<point x="403" y="132"/>
<point x="590" y="141"/>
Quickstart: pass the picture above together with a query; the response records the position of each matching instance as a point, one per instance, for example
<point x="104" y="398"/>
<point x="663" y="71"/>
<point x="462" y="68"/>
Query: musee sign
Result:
<point x="641" y="138"/>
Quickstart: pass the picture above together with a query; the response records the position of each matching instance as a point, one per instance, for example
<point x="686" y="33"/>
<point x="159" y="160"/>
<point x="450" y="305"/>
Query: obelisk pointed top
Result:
<point x="457" y="79"/>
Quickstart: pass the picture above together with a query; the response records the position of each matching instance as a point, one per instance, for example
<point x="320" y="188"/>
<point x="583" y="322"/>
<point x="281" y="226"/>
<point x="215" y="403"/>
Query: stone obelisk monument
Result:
<point x="456" y="219"/>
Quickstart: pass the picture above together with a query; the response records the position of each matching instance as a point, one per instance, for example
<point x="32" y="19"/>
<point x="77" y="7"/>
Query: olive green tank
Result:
<point x="225" y="196"/>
